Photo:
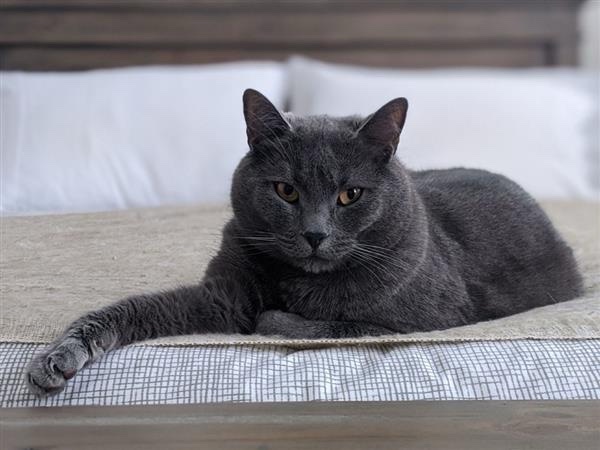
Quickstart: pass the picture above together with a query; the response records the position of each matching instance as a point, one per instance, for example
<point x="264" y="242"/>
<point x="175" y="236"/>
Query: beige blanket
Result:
<point x="55" y="268"/>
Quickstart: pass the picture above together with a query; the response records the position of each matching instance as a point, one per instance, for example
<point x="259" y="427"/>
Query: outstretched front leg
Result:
<point x="293" y="326"/>
<point x="216" y="305"/>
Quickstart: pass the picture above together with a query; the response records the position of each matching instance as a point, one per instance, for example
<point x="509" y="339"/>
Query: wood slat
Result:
<point x="288" y="4"/>
<point x="31" y="58"/>
<point x="84" y="34"/>
<point x="173" y="27"/>
<point x="468" y="425"/>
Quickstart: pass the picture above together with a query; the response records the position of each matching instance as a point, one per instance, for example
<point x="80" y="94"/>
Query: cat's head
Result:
<point x="318" y="191"/>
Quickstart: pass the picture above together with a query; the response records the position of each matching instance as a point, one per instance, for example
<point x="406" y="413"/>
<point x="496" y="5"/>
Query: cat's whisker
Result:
<point x="387" y="256"/>
<point x="255" y="233"/>
<point x="384" y="252"/>
<point x="363" y="263"/>
<point x="257" y="245"/>
<point x="376" y="247"/>
<point x="379" y="267"/>
<point x="427" y="277"/>
<point x="395" y="261"/>
<point x="383" y="258"/>
<point x="381" y="264"/>
<point x="256" y="238"/>
<point x="378" y="251"/>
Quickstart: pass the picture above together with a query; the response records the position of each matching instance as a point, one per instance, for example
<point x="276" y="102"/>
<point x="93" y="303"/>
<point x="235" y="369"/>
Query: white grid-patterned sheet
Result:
<point x="503" y="370"/>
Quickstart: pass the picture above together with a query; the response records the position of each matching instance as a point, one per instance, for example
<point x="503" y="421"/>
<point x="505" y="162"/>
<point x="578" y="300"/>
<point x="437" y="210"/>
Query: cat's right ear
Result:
<point x="263" y="122"/>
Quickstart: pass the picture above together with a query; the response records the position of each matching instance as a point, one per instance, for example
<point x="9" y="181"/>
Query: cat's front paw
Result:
<point x="48" y="372"/>
<point x="278" y="323"/>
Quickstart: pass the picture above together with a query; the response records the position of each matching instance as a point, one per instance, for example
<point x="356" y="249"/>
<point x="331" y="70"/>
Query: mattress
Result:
<point x="55" y="268"/>
<point x="492" y="370"/>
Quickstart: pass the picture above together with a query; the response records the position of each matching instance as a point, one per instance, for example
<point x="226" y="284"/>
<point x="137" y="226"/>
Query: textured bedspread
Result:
<point x="54" y="268"/>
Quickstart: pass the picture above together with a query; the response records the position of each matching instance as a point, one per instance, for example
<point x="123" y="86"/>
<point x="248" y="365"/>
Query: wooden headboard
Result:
<point x="84" y="34"/>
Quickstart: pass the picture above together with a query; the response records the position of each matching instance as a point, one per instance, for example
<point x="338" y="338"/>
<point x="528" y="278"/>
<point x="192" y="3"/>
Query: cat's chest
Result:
<point x="324" y="296"/>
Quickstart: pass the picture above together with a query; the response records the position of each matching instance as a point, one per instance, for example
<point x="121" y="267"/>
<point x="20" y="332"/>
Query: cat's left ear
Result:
<point x="382" y="129"/>
<point x="263" y="122"/>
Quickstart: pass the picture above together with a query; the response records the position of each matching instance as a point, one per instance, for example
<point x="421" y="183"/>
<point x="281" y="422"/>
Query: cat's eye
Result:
<point x="287" y="192"/>
<point x="349" y="196"/>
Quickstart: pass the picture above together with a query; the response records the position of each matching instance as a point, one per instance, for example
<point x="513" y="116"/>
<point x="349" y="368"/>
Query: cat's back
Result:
<point x="463" y="181"/>
<point x="473" y="194"/>
<point x="507" y="242"/>
<point x="482" y="208"/>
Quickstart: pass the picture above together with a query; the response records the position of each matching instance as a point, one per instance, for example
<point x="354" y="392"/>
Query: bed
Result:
<point x="79" y="235"/>
<point x="57" y="267"/>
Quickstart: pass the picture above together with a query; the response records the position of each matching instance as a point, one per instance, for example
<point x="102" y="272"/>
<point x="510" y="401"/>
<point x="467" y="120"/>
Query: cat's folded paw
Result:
<point x="278" y="323"/>
<point x="48" y="372"/>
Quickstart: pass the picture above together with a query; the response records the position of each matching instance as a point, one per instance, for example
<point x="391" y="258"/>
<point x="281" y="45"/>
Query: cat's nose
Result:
<point x="314" y="238"/>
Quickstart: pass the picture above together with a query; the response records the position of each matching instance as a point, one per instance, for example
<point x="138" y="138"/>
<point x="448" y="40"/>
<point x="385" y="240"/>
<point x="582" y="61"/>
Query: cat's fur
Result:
<point x="418" y="251"/>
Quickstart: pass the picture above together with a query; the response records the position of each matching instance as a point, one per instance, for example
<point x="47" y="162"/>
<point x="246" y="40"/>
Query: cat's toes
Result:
<point x="275" y="323"/>
<point x="43" y="376"/>
<point x="48" y="372"/>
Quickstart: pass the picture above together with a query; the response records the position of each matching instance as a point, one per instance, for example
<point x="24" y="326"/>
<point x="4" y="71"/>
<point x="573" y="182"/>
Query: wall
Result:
<point x="589" y="24"/>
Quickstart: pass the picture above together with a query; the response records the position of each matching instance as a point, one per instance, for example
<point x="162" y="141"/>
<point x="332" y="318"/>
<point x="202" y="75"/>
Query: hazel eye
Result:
<point x="287" y="192"/>
<point x="349" y="196"/>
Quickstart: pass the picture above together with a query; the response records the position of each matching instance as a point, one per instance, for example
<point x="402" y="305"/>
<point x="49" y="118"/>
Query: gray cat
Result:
<point x="333" y="237"/>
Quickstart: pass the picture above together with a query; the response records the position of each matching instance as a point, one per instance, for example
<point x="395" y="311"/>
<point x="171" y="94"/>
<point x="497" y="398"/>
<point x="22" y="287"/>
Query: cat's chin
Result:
<point x="315" y="264"/>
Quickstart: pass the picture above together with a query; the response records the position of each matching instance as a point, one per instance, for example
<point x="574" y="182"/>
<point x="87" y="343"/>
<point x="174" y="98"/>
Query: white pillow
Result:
<point x="121" y="138"/>
<point x="527" y="124"/>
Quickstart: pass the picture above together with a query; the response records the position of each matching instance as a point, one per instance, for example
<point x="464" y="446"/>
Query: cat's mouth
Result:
<point x="317" y="258"/>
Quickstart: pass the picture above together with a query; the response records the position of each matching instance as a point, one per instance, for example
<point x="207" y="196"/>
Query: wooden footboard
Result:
<point x="461" y="425"/>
